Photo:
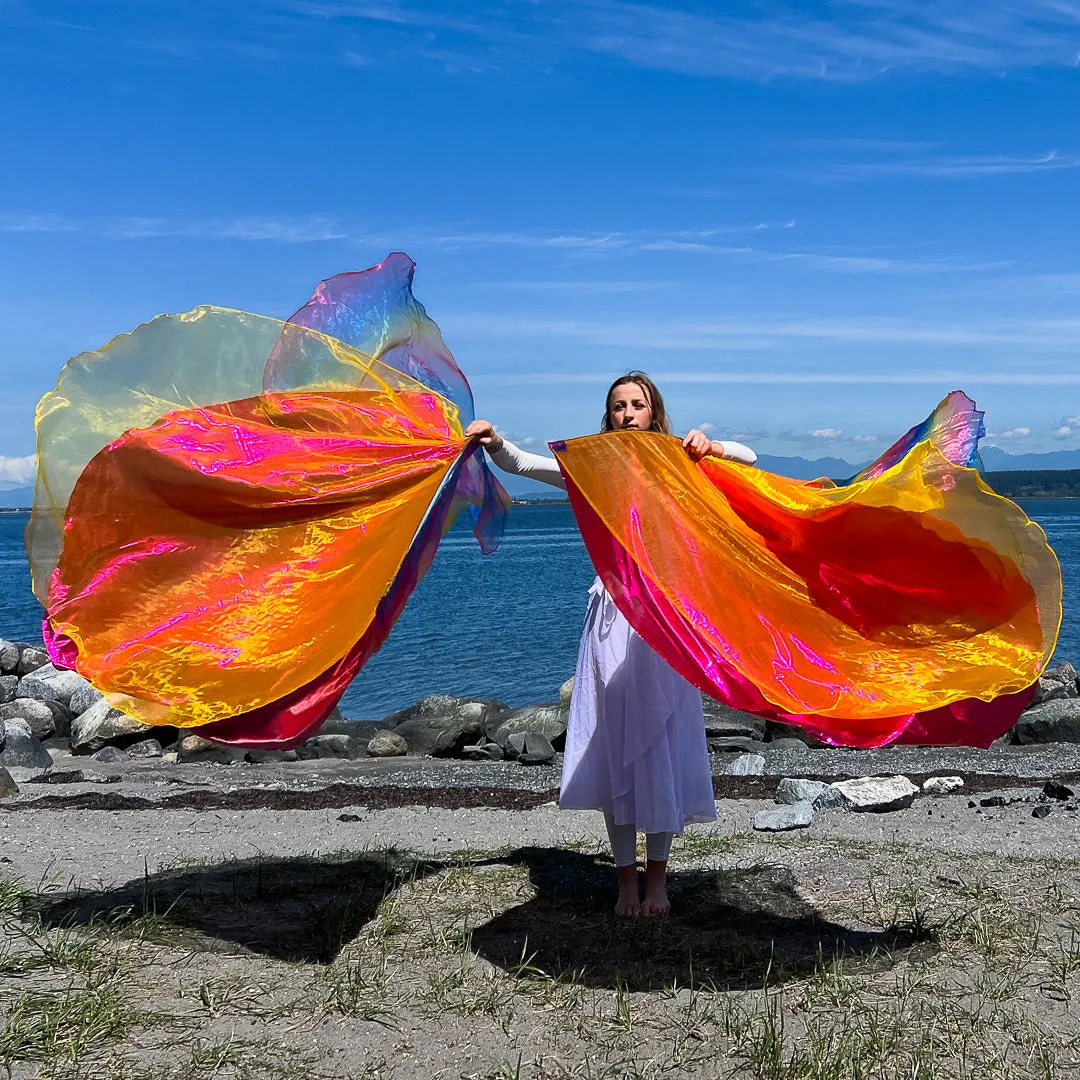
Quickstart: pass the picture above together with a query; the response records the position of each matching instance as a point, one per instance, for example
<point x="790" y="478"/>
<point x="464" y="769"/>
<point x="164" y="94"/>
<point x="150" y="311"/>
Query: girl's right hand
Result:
<point x="484" y="433"/>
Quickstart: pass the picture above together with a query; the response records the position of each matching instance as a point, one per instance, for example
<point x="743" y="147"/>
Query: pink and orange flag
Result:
<point x="232" y="511"/>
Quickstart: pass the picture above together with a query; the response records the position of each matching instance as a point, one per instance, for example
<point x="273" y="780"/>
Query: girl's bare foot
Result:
<point x="656" y="900"/>
<point x="629" y="902"/>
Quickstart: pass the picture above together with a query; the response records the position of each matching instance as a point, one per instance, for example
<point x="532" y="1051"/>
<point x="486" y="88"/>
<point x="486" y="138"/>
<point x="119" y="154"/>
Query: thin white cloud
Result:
<point x="846" y="41"/>
<point x="1064" y="432"/>
<point x="956" y="167"/>
<point x="952" y="379"/>
<point x="827" y="434"/>
<point x="861" y="39"/>
<point x="734" y="333"/>
<point x="286" y="230"/>
<point x="37" y="223"/>
<point x="1010" y="433"/>
<point x="18" y="470"/>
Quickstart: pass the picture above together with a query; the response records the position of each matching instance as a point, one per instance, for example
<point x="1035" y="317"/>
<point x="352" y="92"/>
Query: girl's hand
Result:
<point x="484" y="433"/>
<point x="697" y="444"/>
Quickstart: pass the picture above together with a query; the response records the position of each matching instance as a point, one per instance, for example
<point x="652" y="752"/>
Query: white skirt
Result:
<point x="635" y="744"/>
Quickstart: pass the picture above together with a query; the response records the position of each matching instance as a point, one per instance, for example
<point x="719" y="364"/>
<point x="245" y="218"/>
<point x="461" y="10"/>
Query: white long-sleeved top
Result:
<point x="513" y="459"/>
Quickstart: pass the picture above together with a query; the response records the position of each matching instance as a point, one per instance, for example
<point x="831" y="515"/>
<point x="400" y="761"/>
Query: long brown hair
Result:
<point x="655" y="399"/>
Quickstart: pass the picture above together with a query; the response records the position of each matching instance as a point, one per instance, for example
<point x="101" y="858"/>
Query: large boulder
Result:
<point x="101" y="726"/>
<point x="442" y="725"/>
<point x="332" y="745"/>
<point x="1056" y="721"/>
<point x="23" y="756"/>
<point x="8" y="686"/>
<point x="50" y="683"/>
<point x="546" y="720"/>
<point x="566" y="692"/>
<point x="722" y="721"/>
<point x="31" y="657"/>
<point x="9" y="657"/>
<point x="1056" y="683"/>
<point x="196" y="748"/>
<point x="37" y="715"/>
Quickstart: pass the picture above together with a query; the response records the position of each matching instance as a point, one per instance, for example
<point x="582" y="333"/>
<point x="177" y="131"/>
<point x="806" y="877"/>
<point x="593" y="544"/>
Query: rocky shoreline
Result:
<point x="60" y="744"/>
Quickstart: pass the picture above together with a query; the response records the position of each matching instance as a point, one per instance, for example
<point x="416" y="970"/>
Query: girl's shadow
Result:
<point x="729" y="929"/>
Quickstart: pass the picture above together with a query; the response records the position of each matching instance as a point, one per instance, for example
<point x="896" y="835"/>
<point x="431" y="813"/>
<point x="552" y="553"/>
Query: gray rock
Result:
<point x="784" y="745"/>
<point x="538" y="750"/>
<point x="387" y="744"/>
<point x="566" y="692"/>
<point x="82" y="697"/>
<point x="263" y="757"/>
<point x="515" y="745"/>
<point x="746" y="765"/>
<point x="49" y="683"/>
<point x="7" y="784"/>
<point x="877" y="794"/>
<point x="774" y="731"/>
<point x="722" y="721"/>
<point x="734" y="744"/>
<point x="790" y="791"/>
<point x="336" y="724"/>
<point x="31" y="657"/>
<point x="8" y="684"/>
<point x="111" y="754"/>
<point x="37" y="714"/>
<point x="196" y="748"/>
<point x="102" y="725"/>
<point x="442" y="725"/>
<point x="1056" y="683"/>
<point x="942" y="785"/>
<point x="822" y="796"/>
<point x="1053" y="721"/>
<point x="799" y="815"/>
<point x="23" y="756"/>
<point x="9" y="657"/>
<point x="143" y="748"/>
<point x="328" y="746"/>
<point x="547" y="720"/>
<point x="491" y="751"/>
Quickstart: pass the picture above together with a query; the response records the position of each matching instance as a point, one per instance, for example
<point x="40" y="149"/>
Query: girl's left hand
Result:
<point x="697" y="444"/>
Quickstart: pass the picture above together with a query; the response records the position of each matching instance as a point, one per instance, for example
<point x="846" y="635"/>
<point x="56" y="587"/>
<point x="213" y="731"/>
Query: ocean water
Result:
<point x="505" y="626"/>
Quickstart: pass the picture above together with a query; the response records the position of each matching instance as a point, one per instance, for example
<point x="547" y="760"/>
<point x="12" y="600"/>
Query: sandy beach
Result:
<point x="375" y="934"/>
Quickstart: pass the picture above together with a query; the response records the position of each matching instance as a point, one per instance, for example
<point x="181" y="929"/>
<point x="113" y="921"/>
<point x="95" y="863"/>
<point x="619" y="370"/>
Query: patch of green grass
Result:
<point x="65" y="1025"/>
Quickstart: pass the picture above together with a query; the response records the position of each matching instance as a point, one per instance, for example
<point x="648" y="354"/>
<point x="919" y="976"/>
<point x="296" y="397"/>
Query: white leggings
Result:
<point x="624" y="843"/>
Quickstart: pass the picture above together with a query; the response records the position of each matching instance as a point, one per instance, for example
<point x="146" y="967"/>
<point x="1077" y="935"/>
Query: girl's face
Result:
<point x="628" y="407"/>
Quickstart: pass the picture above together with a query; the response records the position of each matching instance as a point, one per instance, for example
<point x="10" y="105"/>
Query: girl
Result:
<point x="635" y="743"/>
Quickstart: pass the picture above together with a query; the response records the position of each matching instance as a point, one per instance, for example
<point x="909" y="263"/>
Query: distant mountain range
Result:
<point x="19" y="497"/>
<point x="994" y="459"/>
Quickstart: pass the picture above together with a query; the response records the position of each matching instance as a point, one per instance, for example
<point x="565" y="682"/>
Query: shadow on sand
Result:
<point x="731" y="928"/>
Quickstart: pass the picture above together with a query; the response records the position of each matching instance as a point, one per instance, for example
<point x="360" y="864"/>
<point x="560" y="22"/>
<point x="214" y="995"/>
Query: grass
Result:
<point x="893" y="964"/>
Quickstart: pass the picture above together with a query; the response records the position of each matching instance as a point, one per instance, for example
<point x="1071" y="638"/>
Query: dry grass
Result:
<point x="835" y="960"/>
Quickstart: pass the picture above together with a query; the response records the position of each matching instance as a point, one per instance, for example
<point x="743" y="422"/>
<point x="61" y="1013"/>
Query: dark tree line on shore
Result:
<point x="1036" y="483"/>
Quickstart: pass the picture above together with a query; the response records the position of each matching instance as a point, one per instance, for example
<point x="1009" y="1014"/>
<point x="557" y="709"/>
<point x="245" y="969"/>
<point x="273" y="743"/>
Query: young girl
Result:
<point x="635" y="744"/>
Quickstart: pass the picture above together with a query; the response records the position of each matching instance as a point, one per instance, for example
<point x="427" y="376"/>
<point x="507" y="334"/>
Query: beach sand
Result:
<point x="383" y="937"/>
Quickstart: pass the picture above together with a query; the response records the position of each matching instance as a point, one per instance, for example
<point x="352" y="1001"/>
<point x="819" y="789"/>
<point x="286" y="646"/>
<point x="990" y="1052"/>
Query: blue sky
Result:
<point x="807" y="221"/>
